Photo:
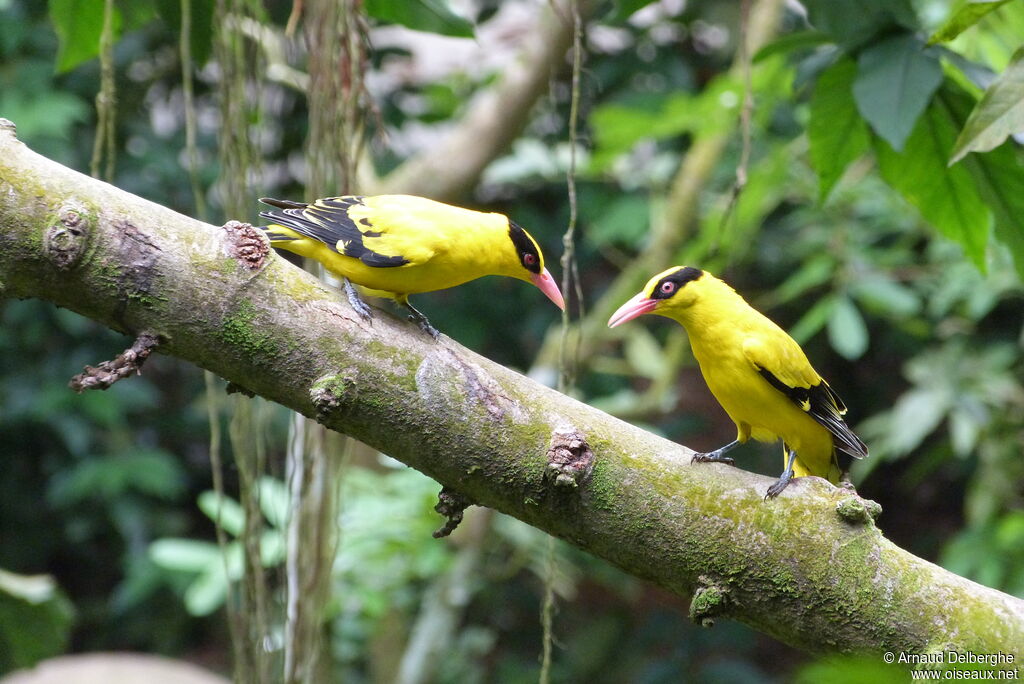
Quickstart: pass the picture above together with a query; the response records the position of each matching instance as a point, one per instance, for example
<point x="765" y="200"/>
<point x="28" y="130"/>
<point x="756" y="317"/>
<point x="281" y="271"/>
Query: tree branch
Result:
<point x="809" y="568"/>
<point x="494" y="119"/>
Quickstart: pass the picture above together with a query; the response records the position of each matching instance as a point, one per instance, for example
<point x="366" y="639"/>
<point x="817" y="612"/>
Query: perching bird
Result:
<point x="398" y="245"/>
<point x="756" y="371"/>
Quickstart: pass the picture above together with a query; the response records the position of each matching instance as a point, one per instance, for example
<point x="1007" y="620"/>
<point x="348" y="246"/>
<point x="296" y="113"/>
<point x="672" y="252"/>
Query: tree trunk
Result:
<point x="809" y="568"/>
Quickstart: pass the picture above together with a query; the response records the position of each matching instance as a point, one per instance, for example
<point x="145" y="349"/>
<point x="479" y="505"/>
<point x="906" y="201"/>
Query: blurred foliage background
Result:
<point x="900" y="275"/>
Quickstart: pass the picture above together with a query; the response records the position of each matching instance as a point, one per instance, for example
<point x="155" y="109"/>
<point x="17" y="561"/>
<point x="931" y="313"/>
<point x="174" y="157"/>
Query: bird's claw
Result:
<point x="711" y="457"/>
<point x="357" y="303"/>
<point x="776" y="488"/>
<point x="425" y="326"/>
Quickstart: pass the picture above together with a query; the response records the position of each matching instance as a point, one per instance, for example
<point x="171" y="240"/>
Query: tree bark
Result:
<point x="809" y="568"/>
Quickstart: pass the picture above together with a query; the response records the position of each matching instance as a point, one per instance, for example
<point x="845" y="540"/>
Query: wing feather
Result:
<point x="788" y="371"/>
<point x="328" y="221"/>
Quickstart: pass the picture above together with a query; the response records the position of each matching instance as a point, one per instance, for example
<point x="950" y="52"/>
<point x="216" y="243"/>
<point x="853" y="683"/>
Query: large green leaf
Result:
<point x="432" y="16"/>
<point x="962" y="19"/>
<point x="999" y="178"/>
<point x="836" y="131"/>
<point x="895" y="81"/>
<point x="847" y="332"/>
<point x="945" y="196"/>
<point x="853" y="22"/>
<point x="78" y="24"/>
<point x="999" y="114"/>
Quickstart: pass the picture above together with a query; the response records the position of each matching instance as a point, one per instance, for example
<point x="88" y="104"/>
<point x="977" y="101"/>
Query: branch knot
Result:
<point x="246" y="244"/>
<point x="65" y="240"/>
<point x="709" y="601"/>
<point x="329" y="393"/>
<point x="858" y="511"/>
<point x="570" y="459"/>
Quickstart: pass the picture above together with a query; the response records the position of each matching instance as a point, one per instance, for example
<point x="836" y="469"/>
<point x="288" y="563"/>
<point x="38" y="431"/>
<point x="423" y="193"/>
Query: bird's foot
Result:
<point x="711" y="457"/>
<point x="775" y="489"/>
<point x="419" y="319"/>
<point x="356" y="301"/>
<point x="425" y="326"/>
<point x="716" y="456"/>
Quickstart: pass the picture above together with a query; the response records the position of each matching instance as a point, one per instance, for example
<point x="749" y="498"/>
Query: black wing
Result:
<point x="824" y="405"/>
<point x="327" y="221"/>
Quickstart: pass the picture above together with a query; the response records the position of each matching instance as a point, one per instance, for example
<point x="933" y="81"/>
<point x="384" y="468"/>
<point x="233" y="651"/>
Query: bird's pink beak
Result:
<point x="549" y="287"/>
<point x="637" y="306"/>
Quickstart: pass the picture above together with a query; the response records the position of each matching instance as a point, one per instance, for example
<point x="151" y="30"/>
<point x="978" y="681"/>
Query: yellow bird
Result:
<point x="397" y="245"/>
<point x="756" y="371"/>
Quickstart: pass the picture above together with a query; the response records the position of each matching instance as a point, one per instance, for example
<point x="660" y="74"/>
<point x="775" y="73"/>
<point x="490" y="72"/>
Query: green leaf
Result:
<point x="847" y="332"/>
<point x="945" y="196"/>
<point x="999" y="177"/>
<point x="791" y="42"/>
<point x="35" y="620"/>
<point x="854" y="23"/>
<point x="999" y="114"/>
<point x="78" y="24"/>
<point x="814" y="320"/>
<point x="964" y="18"/>
<point x="184" y="555"/>
<point x="208" y="591"/>
<point x="644" y="354"/>
<point x="915" y="416"/>
<point x="274" y="501"/>
<point x="624" y="9"/>
<point x="623" y="221"/>
<point x="836" y="131"/>
<point x="231" y="515"/>
<point x="895" y="81"/>
<point x="815" y="271"/>
<point x="432" y="16"/>
<point x="878" y="292"/>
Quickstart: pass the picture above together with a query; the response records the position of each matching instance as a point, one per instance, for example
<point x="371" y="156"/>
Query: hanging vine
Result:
<point x="567" y="362"/>
<point x="103" y="147"/>
<point x="239" y="93"/>
<point x="334" y="33"/>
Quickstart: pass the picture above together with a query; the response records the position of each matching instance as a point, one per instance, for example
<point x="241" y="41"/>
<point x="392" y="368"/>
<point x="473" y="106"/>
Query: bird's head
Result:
<point x="668" y="294"/>
<point x="529" y="264"/>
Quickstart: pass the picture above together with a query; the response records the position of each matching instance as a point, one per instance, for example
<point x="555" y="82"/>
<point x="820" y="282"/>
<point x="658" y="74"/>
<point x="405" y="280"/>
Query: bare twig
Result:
<point x="129" y="361"/>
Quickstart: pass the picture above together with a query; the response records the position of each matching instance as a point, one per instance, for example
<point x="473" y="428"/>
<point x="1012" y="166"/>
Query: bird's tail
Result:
<point x="278" y="234"/>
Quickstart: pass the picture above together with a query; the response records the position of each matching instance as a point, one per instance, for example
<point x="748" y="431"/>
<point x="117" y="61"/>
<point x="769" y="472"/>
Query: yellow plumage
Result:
<point x="755" y="370"/>
<point x="397" y="245"/>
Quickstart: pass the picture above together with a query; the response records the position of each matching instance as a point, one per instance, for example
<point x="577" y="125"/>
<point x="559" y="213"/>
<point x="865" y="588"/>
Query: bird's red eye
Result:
<point x="529" y="259"/>
<point x="668" y="288"/>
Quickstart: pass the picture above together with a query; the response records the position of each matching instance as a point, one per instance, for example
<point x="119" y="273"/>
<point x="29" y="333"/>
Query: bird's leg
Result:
<point x="787" y="475"/>
<point x="356" y="301"/>
<point x="419" y="319"/>
<point x="716" y="456"/>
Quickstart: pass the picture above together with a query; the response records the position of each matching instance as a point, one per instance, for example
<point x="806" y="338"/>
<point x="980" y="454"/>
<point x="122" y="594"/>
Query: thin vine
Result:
<point x="106" y="101"/>
<point x="240" y="95"/>
<point x="744" y="59"/>
<point x="570" y="281"/>
<point x="188" y="93"/>
<point x="316" y="456"/>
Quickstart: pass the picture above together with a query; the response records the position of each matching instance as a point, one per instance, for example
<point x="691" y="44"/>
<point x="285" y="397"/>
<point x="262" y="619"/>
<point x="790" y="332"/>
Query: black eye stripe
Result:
<point x="524" y="247"/>
<point x="677" y="279"/>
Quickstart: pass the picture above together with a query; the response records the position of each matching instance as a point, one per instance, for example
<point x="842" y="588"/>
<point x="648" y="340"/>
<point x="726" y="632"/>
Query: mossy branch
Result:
<point x="801" y="568"/>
